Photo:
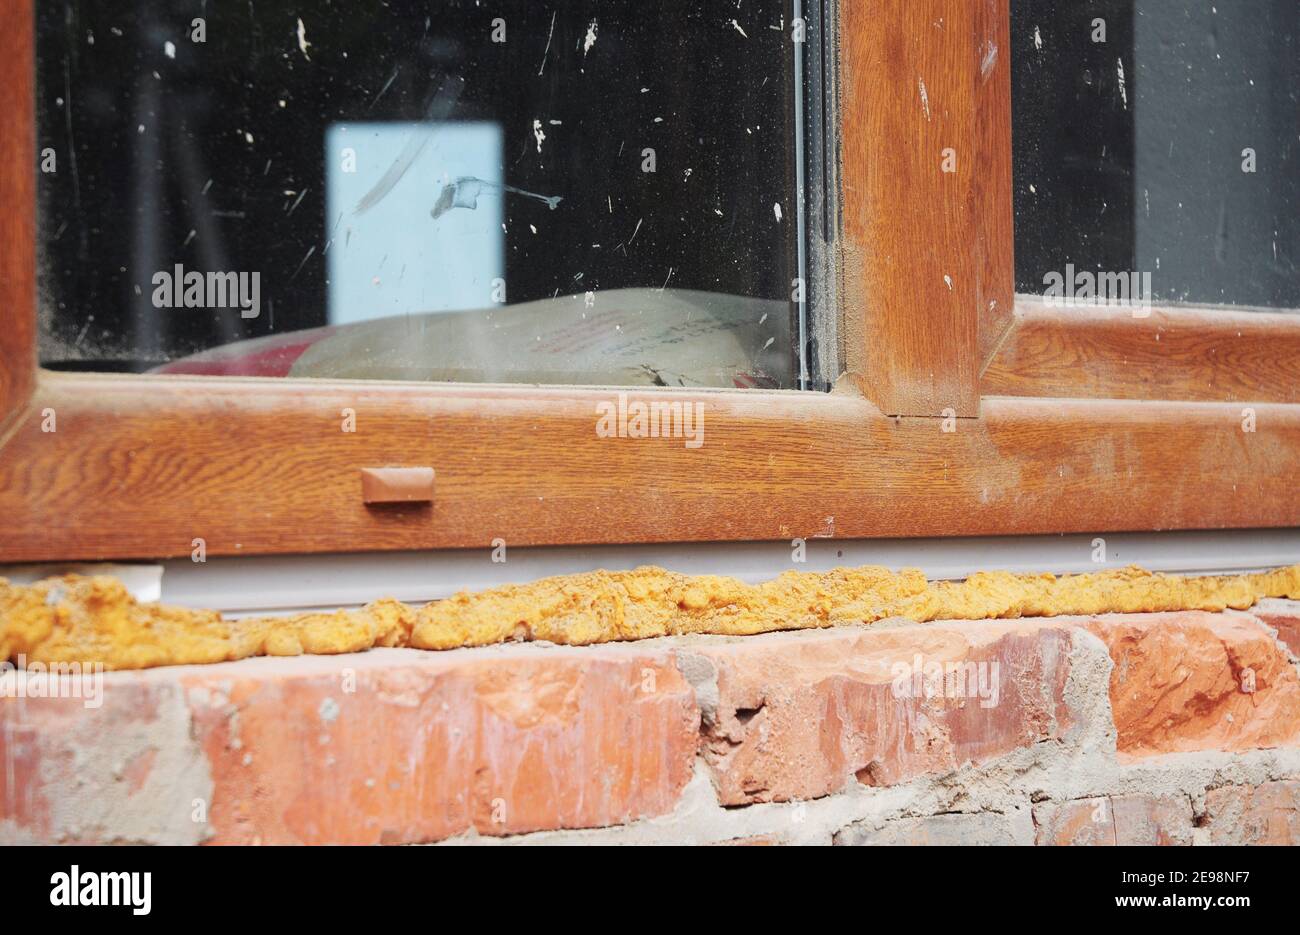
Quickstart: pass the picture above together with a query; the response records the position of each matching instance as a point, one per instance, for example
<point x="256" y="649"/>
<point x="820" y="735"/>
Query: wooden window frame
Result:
<point x="963" y="409"/>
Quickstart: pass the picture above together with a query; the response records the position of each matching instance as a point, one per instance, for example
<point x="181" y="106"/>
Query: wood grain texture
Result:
<point x="1175" y="354"/>
<point x="927" y="250"/>
<point x="17" y="209"/>
<point x="993" y="208"/>
<point x="139" y="467"/>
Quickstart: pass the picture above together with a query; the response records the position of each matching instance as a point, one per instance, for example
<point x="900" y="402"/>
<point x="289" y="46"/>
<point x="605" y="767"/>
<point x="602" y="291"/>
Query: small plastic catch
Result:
<point x="397" y="485"/>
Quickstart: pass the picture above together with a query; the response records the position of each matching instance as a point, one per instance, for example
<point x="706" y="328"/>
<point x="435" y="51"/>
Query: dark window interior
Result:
<point x="227" y="155"/>
<point x="1170" y="148"/>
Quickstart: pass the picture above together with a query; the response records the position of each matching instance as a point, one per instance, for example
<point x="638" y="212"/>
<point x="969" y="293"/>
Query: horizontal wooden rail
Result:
<point x="143" y="466"/>
<point x="1188" y="353"/>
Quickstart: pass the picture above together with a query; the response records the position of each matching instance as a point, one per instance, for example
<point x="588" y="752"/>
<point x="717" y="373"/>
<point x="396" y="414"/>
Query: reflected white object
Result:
<point x="394" y="258"/>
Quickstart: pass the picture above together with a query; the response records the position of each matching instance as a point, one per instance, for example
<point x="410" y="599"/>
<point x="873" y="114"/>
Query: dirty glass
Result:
<point x="601" y="192"/>
<point x="1157" y="146"/>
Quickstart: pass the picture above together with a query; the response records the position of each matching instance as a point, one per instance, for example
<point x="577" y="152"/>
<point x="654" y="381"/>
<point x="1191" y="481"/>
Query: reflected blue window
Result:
<point x="449" y="199"/>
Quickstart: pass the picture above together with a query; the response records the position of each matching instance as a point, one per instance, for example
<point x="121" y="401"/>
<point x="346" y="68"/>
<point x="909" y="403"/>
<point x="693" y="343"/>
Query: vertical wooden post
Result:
<point x="17" y="208"/>
<point x="927" y="198"/>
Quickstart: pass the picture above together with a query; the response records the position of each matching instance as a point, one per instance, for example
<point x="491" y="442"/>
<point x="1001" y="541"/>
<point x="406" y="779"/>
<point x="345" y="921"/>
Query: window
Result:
<point x="957" y="408"/>
<point x="1157" y="191"/>
<point x="563" y="194"/>
<point x="1159" y="142"/>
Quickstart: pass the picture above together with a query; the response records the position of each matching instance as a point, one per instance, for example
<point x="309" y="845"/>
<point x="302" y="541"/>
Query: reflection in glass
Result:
<point x="1161" y="139"/>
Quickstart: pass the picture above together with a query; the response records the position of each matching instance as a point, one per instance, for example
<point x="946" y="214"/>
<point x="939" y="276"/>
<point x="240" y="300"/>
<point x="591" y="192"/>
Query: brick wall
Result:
<point x="1176" y="728"/>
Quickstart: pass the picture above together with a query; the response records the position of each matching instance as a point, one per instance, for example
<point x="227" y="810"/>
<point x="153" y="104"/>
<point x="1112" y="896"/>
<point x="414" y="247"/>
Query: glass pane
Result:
<point x="1161" y="139"/>
<point x="600" y="192"/>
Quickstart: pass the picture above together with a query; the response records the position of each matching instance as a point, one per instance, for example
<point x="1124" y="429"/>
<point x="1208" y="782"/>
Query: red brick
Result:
<point x="124" y="772"/>
<point x="1124" y="820"/>
<point x="406" y="746"/>
<point x="1283" y="616"/>
<point x="423" y="747"/>
<point x="1264" y="814"/>
<point x="1087" y="822"/>
<point x="803" y="715"/>
<point x="1198" y="681"/>
<point x="1150" y="821"/>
